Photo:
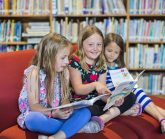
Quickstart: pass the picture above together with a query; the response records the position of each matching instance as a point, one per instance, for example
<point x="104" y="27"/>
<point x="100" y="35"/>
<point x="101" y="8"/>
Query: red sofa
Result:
<point x="11" y="74"/>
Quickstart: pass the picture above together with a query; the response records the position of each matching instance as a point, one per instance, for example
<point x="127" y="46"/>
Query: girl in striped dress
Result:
<point x="114" y="54"/>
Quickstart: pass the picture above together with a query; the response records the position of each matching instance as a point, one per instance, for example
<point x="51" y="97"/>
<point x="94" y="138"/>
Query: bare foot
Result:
<point x="135" y="110"/>
<point x="162" y="123"/>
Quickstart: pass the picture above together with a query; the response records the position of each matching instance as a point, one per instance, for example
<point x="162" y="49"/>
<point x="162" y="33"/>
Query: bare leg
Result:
<point x="110" y="114"/>
<point x="151" y="109"/>
<point x="161" y="110"/>
<point x="58" y="135"/>
<point x="135" y="110"/>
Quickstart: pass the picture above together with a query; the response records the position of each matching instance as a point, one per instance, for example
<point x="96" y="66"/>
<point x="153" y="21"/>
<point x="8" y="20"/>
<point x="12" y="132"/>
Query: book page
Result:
<point x="111" y="100"/>
<point x="139" y="75"/>
<point x="79" y="104"/>
<point x="120" y="75"/>
<point x="123" y="80"/>
<point x="74" y="105"/>
<point x="124" y="84"/>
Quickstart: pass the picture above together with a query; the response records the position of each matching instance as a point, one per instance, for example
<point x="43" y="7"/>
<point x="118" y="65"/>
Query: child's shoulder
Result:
<point x="75" y="58"/>
<point x="34" y="71"/>
<point x="31" y="68"/>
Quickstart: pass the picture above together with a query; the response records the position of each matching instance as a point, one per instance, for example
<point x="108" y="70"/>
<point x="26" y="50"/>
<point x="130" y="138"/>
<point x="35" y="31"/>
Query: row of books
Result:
<point x="71" y="28"/>
<point x="147" y="6"/>
<point x="147" y="56"/>
<point x="60" y="7"/>
<point x="11" y="48"/>
<point x="36" y="29"/>
<point x="153" y="84"/>
<point x="24" y="7"/>
<point x="143" y="30"/>
<point x="10" y="31"/>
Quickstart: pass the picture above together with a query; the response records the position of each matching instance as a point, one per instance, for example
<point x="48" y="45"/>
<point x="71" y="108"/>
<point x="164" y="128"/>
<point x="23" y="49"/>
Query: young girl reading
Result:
<point x="46" y="86"/>
<point x="88" y="75"/>
<point x="114" y="54"/>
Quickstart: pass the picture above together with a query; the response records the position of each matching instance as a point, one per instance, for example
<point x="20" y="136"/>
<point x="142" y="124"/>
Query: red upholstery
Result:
<point x="11" y="74"/>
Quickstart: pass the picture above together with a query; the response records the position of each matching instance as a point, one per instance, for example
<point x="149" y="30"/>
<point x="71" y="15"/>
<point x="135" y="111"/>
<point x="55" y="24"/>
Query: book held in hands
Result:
<point x="123" y="83"/>
<point x="79" y="104"/>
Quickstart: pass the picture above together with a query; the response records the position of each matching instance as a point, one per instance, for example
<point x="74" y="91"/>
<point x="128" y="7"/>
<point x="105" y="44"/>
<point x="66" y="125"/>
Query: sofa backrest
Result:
<point x="12" y="65"/>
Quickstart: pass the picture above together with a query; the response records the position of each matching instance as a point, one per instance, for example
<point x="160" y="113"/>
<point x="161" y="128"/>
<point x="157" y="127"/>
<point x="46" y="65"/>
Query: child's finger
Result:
<point x="107" y="91"/>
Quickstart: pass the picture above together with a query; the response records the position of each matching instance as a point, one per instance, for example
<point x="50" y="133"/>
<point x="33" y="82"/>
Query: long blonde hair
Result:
<point x="45" y="59"/>
<point x="84" y="34"/>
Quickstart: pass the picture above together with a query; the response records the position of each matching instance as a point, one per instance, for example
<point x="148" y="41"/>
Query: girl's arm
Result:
<point x="102" y="78"/>
<point x="33" y="92"/>
<point x="78" y="86"/>
<point x="84" y="89"/>
<point x="33" y="98"/>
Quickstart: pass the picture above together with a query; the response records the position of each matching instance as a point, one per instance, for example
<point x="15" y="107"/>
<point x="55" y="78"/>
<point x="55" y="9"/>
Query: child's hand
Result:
<point x="119" y="101"/>
<point x="102" y="89"/>
<point x="62" y="113"/>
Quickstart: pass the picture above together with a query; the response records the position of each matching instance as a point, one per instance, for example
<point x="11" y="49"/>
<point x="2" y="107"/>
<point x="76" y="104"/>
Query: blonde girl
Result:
<point x="46" y="86"/>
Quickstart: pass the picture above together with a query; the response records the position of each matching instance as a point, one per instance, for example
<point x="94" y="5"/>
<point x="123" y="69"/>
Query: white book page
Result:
<point x="124" y="84"/>
<point x="120" y="75"/>
<point x="79" y="104"/>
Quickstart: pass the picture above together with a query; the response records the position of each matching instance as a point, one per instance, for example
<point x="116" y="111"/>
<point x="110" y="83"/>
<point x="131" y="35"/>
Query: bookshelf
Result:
<point x="129" y="18"/>
<point x="21" y="22"/>
<point x="70" y="16"/>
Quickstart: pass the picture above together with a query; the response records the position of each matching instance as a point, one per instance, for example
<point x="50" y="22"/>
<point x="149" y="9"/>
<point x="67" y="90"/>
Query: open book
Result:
<point x="79" y="104"/>
<point x="123" y="83"/>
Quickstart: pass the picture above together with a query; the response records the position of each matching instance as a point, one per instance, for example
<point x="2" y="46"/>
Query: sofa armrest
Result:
<point x="11" y="76"/>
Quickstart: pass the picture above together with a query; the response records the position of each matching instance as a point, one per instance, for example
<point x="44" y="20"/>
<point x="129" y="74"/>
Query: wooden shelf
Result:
<point x="147" y="69"/>
<point x="23" y="17"/>
<point x="147" y="15"/>
<point x="13" y="43"/>
<point x="147" y="42"/>
<point x="92" y="15"/>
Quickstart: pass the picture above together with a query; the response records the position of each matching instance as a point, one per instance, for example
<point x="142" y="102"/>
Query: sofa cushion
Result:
<point x="145" y="126"/>
<point x="16" y="132"/>
<point x="112" y="130"/>
<point x="11" y="74"/>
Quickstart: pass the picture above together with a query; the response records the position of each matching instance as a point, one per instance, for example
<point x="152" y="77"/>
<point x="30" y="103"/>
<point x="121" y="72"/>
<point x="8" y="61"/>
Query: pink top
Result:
<point x="23" y="98"/>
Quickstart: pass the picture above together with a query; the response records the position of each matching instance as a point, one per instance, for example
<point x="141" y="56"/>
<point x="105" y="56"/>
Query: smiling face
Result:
<point x="92" y="47"/>
<point x="112" y="52"/>
<point x="61" y="59"/>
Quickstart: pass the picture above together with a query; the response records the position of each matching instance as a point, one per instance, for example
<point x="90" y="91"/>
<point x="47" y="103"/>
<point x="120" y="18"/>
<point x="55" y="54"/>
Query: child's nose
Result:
<point x="96" y="47"/>
<point x="112" y="54"/>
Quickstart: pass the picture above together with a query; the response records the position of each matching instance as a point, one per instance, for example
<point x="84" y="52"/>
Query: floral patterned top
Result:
<point x="23" y="98"/>
<point x="87" y="77"/>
